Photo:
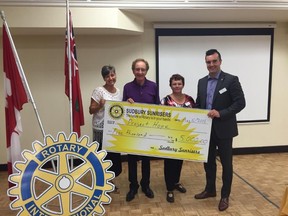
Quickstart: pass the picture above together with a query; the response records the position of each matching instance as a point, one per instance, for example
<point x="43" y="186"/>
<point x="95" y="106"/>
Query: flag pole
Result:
<point x="22" y="73"/>
<point x="68" y="34"/>
<point x="69" y="63"/>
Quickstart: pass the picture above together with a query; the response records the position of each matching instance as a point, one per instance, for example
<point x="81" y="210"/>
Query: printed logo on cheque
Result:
<point x="77" y="184"/>
<point x="116" y="111"/>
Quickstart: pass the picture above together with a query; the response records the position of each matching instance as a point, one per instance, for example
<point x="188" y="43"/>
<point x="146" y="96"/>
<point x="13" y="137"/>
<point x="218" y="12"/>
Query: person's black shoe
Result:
<point x="204" y="195"/>
<point x="180" y="188"/>
<point x="148" y="192"/>
<point x="223" y="204"/>
<point x="170" y="197"/>
<point x="131" y="195"/>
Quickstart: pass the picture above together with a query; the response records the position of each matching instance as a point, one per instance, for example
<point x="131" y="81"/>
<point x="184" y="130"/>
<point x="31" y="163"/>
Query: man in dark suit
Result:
<point x="222" y="94"/>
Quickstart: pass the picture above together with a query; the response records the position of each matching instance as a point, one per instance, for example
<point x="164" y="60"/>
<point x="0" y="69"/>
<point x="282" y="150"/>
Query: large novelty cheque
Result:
<point x="156" y="130"/>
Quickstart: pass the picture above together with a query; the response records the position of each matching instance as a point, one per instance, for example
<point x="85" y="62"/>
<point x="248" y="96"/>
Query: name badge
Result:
<point x="222" y="90"/>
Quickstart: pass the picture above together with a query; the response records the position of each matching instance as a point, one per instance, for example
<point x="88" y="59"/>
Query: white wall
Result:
<point x="42" y="58"/>
<point x="275" y="132"/>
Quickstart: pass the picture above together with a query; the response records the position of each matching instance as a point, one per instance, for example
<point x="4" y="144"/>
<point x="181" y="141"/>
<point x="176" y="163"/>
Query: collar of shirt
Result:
<point x="136" y="83"/>
<point x="216" y="77"/>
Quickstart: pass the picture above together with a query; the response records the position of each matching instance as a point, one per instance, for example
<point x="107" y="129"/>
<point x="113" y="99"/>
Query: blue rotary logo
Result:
<point x="77" y="183"/>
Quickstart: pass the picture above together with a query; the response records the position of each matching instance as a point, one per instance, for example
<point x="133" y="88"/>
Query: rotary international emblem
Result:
<point x="68" y="188"/>
<point x="116" y="111"/>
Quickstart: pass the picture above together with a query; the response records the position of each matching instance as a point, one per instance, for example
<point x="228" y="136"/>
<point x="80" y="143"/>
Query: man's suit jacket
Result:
<point x="228" y="100"/>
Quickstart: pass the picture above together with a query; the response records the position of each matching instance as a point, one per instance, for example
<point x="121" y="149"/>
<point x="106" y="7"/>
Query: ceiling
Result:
<point x="212" y="15"/>
<point x="182" y="10"/>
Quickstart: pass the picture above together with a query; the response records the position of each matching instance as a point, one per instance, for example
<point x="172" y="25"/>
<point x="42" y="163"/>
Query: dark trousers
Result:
<point x="172" y="172"/>
<point x="224" y="147"/>
<point x="132" y="171"/>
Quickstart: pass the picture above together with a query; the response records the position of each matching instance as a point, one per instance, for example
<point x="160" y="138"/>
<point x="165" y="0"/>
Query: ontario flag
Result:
<point x="16" y="96"/>
<point x="77" y="107"/>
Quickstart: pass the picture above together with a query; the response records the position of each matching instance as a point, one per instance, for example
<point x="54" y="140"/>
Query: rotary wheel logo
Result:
<point x="116" y="111"/>
<point x="76" y="185"/>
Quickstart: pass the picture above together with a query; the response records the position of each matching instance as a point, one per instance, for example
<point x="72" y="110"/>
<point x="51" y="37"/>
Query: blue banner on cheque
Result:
<point x="156" y="130"/>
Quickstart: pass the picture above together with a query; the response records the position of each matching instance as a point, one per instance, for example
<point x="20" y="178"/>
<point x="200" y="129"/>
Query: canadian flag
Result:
<point x="15" y="96"/>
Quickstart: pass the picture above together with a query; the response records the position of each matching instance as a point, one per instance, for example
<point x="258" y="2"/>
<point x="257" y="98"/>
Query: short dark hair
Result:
<point x="107" y="69"/>
<point x="213" y="51"/>
<point x="138" y="60"/>
<point x="176" y="77"/>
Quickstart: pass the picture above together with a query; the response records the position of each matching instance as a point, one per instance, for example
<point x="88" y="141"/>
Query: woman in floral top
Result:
<point x="99" y="95"/>
<point x="172" y="167"/>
